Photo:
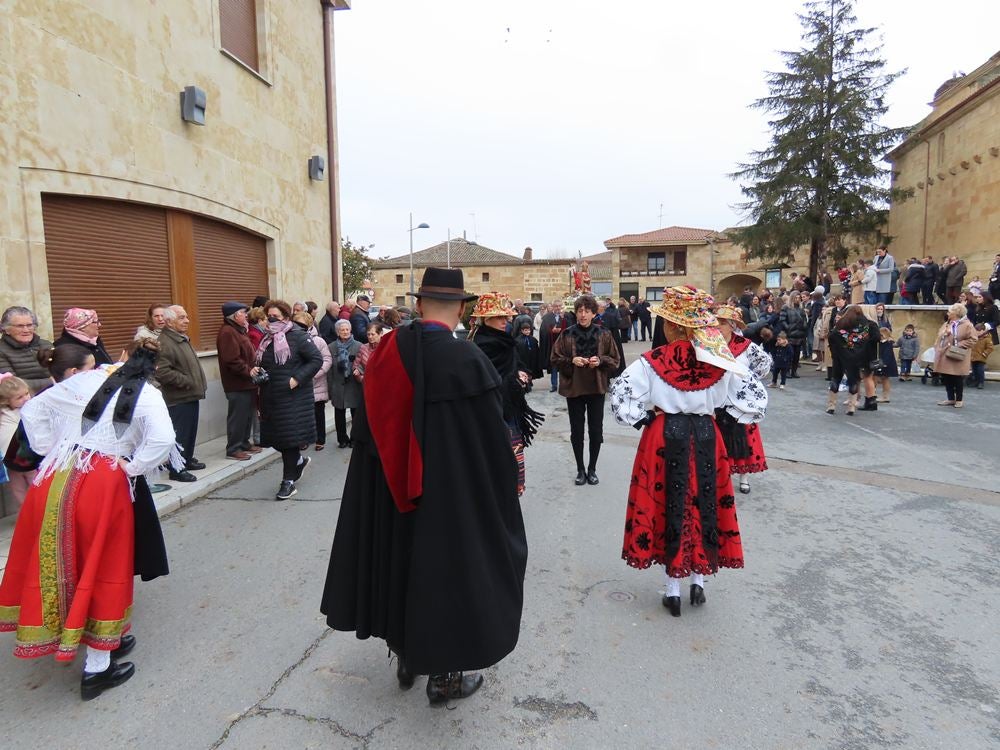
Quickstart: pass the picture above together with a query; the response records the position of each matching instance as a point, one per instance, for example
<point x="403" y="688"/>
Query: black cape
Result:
<point x="443" y="585"/>
<point x="502" y="351"/>
<point x="545" y="340"/>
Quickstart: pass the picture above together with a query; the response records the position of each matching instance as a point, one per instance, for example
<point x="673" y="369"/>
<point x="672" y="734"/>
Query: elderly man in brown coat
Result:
<point x="237" y="370"/>
<point x="183" y="384"/>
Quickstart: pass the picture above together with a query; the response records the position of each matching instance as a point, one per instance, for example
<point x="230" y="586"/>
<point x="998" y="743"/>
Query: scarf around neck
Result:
<point x="277" y="333"/>
<point x="80" y="336"/>
<point x="343" y="356"/>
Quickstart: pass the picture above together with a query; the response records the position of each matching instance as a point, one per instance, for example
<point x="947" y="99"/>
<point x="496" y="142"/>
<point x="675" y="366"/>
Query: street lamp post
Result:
<point x="421" y="225"/>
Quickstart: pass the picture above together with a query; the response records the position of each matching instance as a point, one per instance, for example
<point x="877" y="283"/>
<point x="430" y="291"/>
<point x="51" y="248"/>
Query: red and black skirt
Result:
<point x="755" y="461"/>
<point x="681" y="509"/>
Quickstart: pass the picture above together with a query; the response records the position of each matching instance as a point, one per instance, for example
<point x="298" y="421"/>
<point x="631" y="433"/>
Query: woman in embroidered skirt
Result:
<point x="738" y="419"/>
<point x="681" y="510"/>
<point x="70" y="572"/>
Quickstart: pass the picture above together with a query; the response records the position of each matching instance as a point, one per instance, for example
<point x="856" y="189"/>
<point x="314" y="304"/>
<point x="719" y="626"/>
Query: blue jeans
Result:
<point x="905" y="366"/>
<point x="871" y="298"/>
<point x="554" y="379"/>
<point x="978" y="376"/>
<point x="635" y="329"/>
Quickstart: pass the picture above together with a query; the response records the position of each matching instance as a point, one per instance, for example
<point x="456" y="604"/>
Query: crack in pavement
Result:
<point x="326" y="721"/>
<point x="257" y="708"/>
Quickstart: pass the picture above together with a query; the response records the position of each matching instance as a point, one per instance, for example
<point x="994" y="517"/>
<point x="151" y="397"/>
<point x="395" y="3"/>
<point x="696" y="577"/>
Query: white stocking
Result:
<point x="698" y="578"/>
<point x="97" y="660"/>
<point x="673" y="587"/>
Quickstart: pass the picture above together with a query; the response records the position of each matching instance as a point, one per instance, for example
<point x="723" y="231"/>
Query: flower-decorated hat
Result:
<point x="686" y="306"/>
<point x="494" y="305"/>
<point x="733" y="314"/>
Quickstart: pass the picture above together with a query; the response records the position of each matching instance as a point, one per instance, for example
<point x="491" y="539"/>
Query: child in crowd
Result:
<point x="527" y="349"/>
<point x="782" y="356"/>
<point x="976" y="286"/>
<point x="980" y="353"/>
<point x="909" y="348"/>
<point x="14" y="393"/>
<point x="888" y="357"/>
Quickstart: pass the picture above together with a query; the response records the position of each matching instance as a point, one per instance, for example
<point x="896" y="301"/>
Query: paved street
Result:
<point x="866" y="616"/>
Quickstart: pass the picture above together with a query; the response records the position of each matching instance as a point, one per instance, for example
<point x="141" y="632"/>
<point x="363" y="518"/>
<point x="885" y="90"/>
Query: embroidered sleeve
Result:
<point x="759" y="360"/>
<point x="630" y="393"/>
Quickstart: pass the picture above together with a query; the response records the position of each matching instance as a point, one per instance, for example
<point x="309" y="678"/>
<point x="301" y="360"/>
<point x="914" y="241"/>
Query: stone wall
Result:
<point x="953" y="173"/>
<point x="91" y="107"/>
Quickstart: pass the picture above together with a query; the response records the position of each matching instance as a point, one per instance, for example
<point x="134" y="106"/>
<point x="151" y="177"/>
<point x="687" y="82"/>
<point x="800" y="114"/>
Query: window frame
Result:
<point x="658" y="269"/>
<point x="262" y="21"/>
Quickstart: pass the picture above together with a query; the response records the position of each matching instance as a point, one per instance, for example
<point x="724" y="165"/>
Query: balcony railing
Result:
<point x="669" y="272"/>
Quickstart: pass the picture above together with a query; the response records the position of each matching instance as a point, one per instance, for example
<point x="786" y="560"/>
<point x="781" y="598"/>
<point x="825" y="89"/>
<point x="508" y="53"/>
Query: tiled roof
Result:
<point x="463" y="253"/>
<point x="663" y="236"/>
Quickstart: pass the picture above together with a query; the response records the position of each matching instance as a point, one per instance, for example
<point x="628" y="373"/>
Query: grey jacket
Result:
<point x="22" y="360"/>
<point x="909" y="347"/>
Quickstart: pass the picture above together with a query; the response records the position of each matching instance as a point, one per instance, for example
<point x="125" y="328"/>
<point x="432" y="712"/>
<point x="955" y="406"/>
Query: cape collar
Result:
<point x="676" y="365"/>
<point x="738" y="345"/>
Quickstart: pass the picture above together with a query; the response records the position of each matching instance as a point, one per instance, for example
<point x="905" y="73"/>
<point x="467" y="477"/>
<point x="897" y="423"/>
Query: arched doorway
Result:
<point x="735" y="284"/>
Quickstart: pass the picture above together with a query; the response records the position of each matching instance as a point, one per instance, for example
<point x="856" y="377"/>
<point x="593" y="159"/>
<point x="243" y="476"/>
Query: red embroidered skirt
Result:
<point x="69" y="575"/>
<point x="646" y="517"/>
<point x="756" y="461"/>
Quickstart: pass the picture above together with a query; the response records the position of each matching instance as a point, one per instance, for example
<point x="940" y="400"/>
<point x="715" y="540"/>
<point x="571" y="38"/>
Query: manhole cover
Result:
<point x="620" y="596"/>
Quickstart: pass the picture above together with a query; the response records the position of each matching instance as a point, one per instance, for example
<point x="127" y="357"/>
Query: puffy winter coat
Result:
<point x="793" y="321"/>
<point x="320" y="390"/>
<point x="287" y="415"/>
<point x="22" y="360"/>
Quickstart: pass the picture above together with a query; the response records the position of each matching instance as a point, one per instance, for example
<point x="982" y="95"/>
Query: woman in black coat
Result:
<point x="853" y="342"/>
<point x="287" y="414"/>
<point x="988" y="314"/>
<point x="793" y="321"/>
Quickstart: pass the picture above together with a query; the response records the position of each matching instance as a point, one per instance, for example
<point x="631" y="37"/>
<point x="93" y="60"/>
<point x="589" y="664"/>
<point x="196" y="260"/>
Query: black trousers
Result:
<point x="340" y="421"/>
<point x="185" y="420"/>
<point x="644" y="326"/>
<point x="320" y="422"/>
<point x="290" y="458"/>
<point x="954" y="386"/>
<point x="239" y="421"/>
<point x="591" y="409"/>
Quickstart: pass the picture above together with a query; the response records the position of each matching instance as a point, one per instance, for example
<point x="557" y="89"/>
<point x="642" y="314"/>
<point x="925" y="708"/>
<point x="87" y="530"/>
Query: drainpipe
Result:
<point x="927" y="197"/>
<point x="333" y="180"/>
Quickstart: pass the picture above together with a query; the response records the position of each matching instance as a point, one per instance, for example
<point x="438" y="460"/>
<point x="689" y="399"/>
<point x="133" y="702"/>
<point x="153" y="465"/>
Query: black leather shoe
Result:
<point x="194" y="465"/>
<point x="592" y="477"/>
<point x="93" y="684"/>
<point x="697" y="595"/>
<point x="442" y="688"/>
<point x="404" y="675"/>
<point x="673" y="603"/>
<point x="183" y="476"/>
<point x="124" y="648"/>
<point x="581" y="477"/>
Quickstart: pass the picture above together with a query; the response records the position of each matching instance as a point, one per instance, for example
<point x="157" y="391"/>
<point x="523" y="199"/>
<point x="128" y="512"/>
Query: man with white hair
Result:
<point x="326" y="325"/>
<point x="183" y="384"/>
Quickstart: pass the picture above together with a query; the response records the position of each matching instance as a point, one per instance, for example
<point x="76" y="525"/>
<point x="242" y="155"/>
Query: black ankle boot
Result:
<point x="581" y="477"/>
<point x="871" y="404"/>
<point x="672" y="603"/>
<point x="592" y="477"/>
<point x="403" y="674"/>
<point x="697" y="595"/>
<point x="442" y="688"/>
<point x="95" y="683"/>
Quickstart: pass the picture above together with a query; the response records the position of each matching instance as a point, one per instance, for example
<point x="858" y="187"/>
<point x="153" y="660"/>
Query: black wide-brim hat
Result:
<point x="443" y="283"/>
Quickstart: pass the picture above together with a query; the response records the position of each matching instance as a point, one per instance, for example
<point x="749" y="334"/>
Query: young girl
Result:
<point x="888" y="357"/>
<point x="976" y="286"/>
<point x="14" y="394"/>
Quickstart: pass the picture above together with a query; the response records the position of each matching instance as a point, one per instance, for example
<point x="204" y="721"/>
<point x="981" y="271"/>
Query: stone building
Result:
<point x="119" y="190"/>
<point x="950" y="168"/>
<point x="643" y="264"/>
<point x="485" y="269"/>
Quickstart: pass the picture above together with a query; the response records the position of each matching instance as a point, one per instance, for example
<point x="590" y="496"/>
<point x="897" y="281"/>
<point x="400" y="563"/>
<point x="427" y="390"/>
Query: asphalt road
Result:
<point x="866" y="616"/>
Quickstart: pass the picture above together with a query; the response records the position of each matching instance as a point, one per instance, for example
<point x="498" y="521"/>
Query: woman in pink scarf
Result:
<point x="82" y="327"/>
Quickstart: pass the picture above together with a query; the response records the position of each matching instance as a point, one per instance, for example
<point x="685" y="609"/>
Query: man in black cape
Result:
<point x="430" y="550"/>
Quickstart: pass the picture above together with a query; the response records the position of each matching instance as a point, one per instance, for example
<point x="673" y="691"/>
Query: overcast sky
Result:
<point x="562" y="123"/>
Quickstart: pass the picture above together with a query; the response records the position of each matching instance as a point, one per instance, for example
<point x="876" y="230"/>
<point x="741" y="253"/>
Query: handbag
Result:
<point x="955" y="352"/>
<point x="877" y="367"/>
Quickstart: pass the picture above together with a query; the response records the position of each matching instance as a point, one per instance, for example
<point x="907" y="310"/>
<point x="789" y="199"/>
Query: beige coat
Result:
<point x="857" y="287"/>
<point x="966" y="339"/>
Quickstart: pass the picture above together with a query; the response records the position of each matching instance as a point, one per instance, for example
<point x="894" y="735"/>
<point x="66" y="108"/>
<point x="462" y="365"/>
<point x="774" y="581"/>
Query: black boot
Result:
<point x="672" y="603"/>
<point x="871" y="404"/>
<point x="403" y="674"/>
<point x="95" y="683"/>
<point x="442" y="688"/>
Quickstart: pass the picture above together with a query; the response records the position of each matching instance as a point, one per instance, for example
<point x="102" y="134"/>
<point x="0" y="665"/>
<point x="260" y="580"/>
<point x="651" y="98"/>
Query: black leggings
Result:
<point x="290" y="464"/>
<point x="838" y="371"/>
<point x="591" y="408"/>
<point x="954" y="386"/>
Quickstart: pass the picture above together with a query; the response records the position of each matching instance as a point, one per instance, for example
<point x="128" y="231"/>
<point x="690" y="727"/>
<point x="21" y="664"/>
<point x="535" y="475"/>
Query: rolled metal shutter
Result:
<point x="110" y="256"/>
<point x="230" y="265"/>
<point x="238" y="24"/>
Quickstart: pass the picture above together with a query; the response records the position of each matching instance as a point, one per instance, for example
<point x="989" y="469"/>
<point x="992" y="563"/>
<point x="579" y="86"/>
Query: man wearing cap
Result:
<point x="236" y="370"/>
<point x="359" y="319"/>
<point x="430" y="550"/>
<point x="182" y="382"/>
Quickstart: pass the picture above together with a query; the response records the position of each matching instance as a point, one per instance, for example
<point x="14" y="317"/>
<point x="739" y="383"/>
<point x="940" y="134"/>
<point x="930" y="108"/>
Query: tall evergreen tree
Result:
<point x="822" y="175"/>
